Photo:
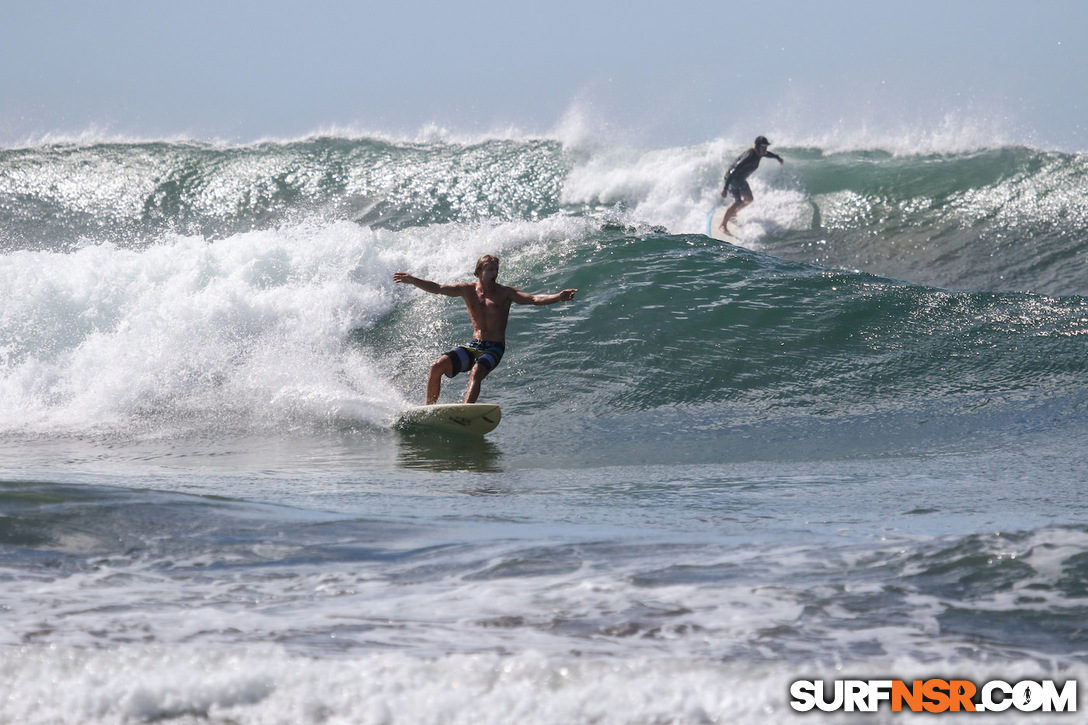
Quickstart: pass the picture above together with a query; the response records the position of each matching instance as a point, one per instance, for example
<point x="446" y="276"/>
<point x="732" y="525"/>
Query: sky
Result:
<point x="646" y="73"/>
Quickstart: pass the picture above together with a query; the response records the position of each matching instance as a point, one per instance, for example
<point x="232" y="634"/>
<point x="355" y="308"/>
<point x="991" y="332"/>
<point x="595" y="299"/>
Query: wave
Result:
<point x="159" y="288"/>
<point x="376" y="578"/>
<point x="301" y="327"/>
<point x="61" y="196"/>
<point x="998" y="219"/>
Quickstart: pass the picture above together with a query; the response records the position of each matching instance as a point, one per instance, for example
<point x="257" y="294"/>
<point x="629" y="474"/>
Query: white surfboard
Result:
<point x="472" y="418"/>
<point x="714" y="226"/>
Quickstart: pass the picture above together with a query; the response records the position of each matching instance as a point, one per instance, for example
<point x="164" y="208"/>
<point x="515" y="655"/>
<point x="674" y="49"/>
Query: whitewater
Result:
<point x="849" y="444"/>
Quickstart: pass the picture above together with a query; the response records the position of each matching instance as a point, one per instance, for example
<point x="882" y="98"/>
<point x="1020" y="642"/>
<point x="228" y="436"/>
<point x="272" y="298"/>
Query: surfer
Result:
<point x="736" y="180"/>
<point x="488" y="305"/>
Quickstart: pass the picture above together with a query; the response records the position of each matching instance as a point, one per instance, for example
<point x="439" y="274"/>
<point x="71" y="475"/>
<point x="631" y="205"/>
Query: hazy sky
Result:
<point x="658" y="73"/>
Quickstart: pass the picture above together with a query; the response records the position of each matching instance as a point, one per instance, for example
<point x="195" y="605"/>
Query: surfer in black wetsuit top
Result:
<point x="736" y="180"/>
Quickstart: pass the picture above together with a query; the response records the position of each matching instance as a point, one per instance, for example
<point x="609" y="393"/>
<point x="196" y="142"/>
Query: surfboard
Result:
<point x="714" y="224"/>
<point x="472" y="418"/>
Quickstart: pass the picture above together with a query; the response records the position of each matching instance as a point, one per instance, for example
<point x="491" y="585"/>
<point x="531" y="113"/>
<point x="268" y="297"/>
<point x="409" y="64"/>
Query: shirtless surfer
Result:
<point x="488" y="305"/>
<point x="736" y="180"/>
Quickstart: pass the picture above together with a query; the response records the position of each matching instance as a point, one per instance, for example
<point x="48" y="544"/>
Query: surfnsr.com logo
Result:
<point x="934" y="695"/>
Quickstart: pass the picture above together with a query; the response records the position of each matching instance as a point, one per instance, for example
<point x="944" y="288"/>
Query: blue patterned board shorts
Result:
<point x="477" y="352"/>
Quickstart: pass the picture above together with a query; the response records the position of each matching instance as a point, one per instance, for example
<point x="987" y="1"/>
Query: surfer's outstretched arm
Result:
<point x="523" y="298"/>
<point x="449" y="290"/>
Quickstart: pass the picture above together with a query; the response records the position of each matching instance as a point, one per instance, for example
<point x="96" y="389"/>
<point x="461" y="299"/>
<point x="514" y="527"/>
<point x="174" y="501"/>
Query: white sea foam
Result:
<point x="678" y="188"/>
<point x="252" y="327"/>
<point x="266" y="685"/>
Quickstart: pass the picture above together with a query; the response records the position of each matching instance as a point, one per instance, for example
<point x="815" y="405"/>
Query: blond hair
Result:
<point x="484" y="260"/>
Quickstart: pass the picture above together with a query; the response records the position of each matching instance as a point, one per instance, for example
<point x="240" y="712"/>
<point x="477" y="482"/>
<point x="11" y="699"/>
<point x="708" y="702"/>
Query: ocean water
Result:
<point x="850" y="444"/>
